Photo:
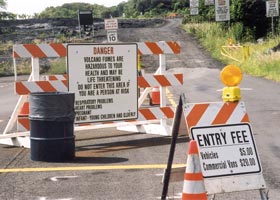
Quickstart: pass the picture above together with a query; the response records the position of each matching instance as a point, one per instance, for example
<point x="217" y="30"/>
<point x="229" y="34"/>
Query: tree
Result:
<point x="3" y="3"/>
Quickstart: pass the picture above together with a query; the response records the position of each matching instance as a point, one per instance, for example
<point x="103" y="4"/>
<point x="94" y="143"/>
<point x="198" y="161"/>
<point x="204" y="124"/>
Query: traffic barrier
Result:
<point x="215" y="113"/>
<point x="193" y="188"/>
<point x="59" y="83"/>
<point x="202" y="120"/>
<point x="26" y="87"/>
<point x="56" y="50"/>
<point x="235" y="52"/>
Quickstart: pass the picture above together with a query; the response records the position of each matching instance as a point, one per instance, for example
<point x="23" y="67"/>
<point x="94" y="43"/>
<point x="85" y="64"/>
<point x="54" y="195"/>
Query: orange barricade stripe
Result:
<point x="24" y="111"/>
<point x="46" y="86"/>
<point x="245" y="118"/>
<point x="60" y="49"/>
<point x="154" y="47"/>
<point x="21" y="89"/>
<point x="179" y="77"/>
<point x="35" y="50"/>
<point x="15" y="55"/>
<point x="24" y="122"/>
<point x="195" y="114"/>
<point x="193" y="176"/>
<point x="174" y="46"/>
<point x="147" y="114"/>
<point x="225" y="112"/>
<point x="55" y="78"/>
<point x="142" y="82"/>
<point x="162" y="80"/>
<point x="202" y="196"/>
<point x="167" y="112"/>
<point x="65" y="82"/>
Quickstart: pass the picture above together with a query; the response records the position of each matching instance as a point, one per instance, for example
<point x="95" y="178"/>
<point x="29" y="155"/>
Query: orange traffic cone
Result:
<point x="193" y="188"/>
<point x="155" y="96"/>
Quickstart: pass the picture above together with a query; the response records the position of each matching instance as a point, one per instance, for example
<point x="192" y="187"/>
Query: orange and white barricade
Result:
<point x="58" y="83"/>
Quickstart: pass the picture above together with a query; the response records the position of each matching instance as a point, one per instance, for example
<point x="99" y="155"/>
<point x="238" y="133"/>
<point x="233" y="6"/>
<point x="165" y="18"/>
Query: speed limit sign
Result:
<point x="112" y="35"/>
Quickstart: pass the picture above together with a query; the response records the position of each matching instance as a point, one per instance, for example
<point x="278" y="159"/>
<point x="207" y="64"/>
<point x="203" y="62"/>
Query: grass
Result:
<point x="260" y="63"/>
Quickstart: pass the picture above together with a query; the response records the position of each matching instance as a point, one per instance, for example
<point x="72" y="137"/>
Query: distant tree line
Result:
<point x="248" y="17"/>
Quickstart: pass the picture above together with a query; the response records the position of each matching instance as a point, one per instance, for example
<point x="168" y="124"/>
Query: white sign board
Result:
<point x="226" y="150"/>
<point x="112" y="36"/>
<point x="272" y="8"/>
<point x="194" y="11"/>
<point x="222" y="10"/>
<point x="111" y="24"/>
<point x="194" y="3"/>
<point x="104" y="80"/>
<point x="209" y="2"/>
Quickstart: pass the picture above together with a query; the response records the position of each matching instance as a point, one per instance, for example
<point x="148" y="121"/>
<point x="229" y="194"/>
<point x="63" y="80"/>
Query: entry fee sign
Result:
<point x="104" y="80"/>
<point x="226" y="150"/>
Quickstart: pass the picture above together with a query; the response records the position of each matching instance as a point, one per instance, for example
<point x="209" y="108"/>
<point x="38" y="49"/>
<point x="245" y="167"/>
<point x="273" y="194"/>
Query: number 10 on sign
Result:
<point x="112" y="35"/>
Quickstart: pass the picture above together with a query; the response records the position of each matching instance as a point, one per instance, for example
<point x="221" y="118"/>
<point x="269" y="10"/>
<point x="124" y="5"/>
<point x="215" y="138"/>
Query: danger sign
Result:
<point x="104" y="80"/>
<point x="226" y="150"/>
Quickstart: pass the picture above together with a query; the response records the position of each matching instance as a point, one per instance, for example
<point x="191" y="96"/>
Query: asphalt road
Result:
<point x="112" y="164"/>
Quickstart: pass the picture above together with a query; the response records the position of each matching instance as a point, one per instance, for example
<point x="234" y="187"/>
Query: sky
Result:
<point x="36" y="6"/>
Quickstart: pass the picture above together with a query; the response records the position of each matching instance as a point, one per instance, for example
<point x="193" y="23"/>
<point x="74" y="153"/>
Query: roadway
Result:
<point x="113" y="164"/>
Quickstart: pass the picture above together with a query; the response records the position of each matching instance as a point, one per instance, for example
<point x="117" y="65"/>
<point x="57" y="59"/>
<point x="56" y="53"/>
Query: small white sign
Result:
<point x="194" y="3"/>
<point x="112" y="36"/>
<point x="111" y="24"/>
<point x="272" y="8"/>
<point x="209" y="2"/>
<point x="226" y="150"/>
<point x="194" y="11"/>
<point x="104" y="80"/>
<point x="222" y="10"/>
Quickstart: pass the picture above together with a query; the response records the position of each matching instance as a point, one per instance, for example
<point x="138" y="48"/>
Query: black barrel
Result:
<point x="52" y="126"/>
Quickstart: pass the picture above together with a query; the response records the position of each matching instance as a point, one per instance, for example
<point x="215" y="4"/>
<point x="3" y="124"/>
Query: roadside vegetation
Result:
<point x="261" y="61"/>
<point x="248" y="27"/>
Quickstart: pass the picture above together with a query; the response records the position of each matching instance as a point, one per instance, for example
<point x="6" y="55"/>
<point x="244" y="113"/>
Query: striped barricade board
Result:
<point x="56" y="50"/>
<point x="57" y="83"/>
<point x="227" y="149"/>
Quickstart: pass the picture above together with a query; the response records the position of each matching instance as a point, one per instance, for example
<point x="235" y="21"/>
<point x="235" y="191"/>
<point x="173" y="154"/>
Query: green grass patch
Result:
<point x="260" y="63"/>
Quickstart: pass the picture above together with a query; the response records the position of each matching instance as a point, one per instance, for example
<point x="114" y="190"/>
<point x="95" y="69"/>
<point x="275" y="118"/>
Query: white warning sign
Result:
<point x="272" y="8"/>
<point x="104" y="80"/>
<point x="226" y="150"/>
<point x="222" y="10"/>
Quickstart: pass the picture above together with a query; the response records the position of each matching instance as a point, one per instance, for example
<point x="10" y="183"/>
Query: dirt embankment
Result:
<point x="57" y="30"/>
<point x="26" y="31"/>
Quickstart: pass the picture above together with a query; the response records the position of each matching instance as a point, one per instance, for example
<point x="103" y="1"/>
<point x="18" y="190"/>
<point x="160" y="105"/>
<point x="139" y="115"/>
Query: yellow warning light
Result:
<point x="231" y="76"/>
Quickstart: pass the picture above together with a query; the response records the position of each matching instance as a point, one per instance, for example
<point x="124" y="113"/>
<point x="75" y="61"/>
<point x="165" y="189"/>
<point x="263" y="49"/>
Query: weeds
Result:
<point x="262" y="62"/>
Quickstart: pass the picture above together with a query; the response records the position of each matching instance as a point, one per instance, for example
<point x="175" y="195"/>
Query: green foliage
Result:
<point x="3" y="3"/>
<point x="260" y="63"/>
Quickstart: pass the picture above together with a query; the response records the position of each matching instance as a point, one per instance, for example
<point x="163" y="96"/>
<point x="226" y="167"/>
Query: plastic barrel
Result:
<point x="52" y="126"/>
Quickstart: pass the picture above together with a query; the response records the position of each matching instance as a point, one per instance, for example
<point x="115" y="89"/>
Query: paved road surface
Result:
<point x="141" y="157"/>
